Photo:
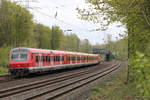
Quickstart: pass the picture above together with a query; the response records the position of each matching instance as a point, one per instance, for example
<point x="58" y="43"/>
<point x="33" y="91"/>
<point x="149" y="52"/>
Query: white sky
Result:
<point x="44" y="12"/>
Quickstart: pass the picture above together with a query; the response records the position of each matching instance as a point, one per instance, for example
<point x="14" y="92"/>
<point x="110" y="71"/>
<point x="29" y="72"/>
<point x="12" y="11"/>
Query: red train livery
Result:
<point x="30" y="60"/>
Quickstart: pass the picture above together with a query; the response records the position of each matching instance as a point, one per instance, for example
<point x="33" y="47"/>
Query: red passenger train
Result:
<point x="30" y="60"/>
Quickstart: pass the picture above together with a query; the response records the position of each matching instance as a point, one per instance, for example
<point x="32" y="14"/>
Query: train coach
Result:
<point x="23" y="61"/>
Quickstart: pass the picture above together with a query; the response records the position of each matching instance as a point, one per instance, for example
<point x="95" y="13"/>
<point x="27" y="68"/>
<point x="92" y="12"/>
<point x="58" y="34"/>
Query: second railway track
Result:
<point x="53" y="87"/>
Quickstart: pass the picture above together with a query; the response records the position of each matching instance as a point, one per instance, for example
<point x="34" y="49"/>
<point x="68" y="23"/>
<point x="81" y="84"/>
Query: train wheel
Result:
<point x="16" y="75"/>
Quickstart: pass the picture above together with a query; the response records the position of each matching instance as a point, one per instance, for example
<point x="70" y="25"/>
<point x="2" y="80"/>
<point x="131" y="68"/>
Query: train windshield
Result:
<point x="19" y="54"/>
<point x="19" y="57"/>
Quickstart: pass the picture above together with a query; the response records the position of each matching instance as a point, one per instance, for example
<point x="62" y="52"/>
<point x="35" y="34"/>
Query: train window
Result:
<point x="74" y="58"/>
<point x="43" y="58"/>
<point x="58" y="58"/>
<point x="37" y="59"/>
<point x="78" y="58"/>
<point x="19" y="57"/>
<point x="46" y="58"/>
<point x="23" y="56"/>
<point x="54" y="58"/>
<point x="32" y="56"/>
<point x="49" y="58"/>
<point x="62" y="58"/>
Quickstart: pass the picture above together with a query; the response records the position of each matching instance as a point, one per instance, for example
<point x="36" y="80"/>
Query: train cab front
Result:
<point x="19" y="62"/>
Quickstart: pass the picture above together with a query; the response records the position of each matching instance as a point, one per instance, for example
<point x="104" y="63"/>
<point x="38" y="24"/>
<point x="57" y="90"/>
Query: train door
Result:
<point x="52" y="60"/>
<point x="65" y="59"/>
<point x="70" y="59"/>
<point x="34" y="60"/>
<point x="40" y="60"/>
<point x="60" y="59"/>
<point x="48" y="60"/>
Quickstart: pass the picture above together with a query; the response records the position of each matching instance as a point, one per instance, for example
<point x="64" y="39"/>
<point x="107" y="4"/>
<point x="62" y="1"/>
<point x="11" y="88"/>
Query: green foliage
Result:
<point x="71" y="42"/>
<point x="134" y="14"/>
<point x="17" y="29"/>
<point x="109" y="83"/>
<point x="118" y="48"/>
<point x="15" y="24"/>
<point x="115" y="89"/>
<point x="42" y="36"/>
<point x="4" y="56"/>
<point x="140" y="74"/>
<point x="97" y="89"/>
<point x="58" y="37"/>
<point x="3" y="70"/>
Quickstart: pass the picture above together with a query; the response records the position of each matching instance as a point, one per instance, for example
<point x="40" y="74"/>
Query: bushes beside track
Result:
<point x="4" y="56"/>
<point x="115" y="89"/>
<point x="4" y="60"/>
<point x="3" y="70"/>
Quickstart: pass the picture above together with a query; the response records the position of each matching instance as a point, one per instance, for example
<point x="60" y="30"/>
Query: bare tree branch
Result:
<point x="146" y="18"/>
<point x="131" y="3"/>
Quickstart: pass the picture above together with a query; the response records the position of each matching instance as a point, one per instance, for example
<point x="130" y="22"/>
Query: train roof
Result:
<point x="54" y="51"/>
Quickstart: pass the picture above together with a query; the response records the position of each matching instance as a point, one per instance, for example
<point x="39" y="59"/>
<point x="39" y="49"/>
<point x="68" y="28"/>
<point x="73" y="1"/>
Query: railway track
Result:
<point x="53" y="87"/>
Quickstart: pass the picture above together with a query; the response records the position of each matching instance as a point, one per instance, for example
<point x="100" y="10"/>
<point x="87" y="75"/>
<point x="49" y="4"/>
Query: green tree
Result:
<point x="15" y="24"/>
<point x="134" y="14"/>
<point x="85" y="46"/>
<point x="42" y="36"/>
<point x="58" y="37"/>
<point x="71" y="42"/>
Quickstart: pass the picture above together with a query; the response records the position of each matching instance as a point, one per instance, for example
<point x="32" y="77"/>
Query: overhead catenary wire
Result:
<point x="33" y="8"/>
<point x="60" y="20"/>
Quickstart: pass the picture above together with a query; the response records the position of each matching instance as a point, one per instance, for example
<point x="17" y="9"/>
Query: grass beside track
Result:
<point x="115" y="89"/>
<point x="3" y="70"/>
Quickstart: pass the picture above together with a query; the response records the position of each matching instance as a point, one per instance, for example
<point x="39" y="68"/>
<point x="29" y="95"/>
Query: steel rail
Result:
<point x="60" y="90"/>
<point x="33" y="85"/>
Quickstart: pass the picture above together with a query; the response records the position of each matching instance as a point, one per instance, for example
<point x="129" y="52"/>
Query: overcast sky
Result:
<point x="45" y="10"/>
